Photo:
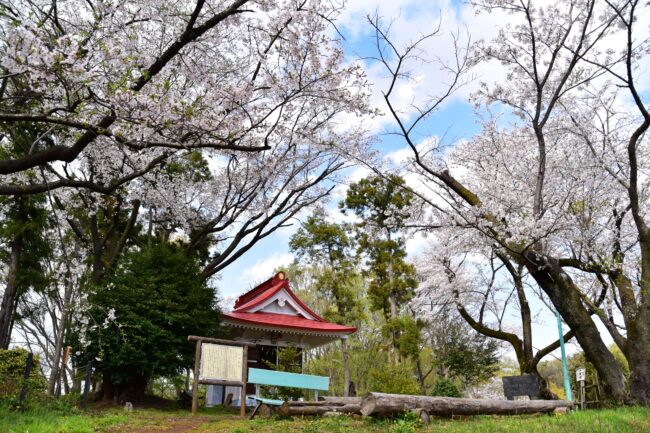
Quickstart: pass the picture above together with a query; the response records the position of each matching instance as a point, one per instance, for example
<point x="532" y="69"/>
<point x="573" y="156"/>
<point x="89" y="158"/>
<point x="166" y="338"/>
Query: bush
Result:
<point x="445" y="388"/>
<point x="407" y="423"/>
<point x="396" y="379"/>
<point x="12" y="371"/>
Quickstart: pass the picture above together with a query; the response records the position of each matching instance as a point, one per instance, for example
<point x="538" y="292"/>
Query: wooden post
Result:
<point x="28" y="370"/>
<point x="195" y="386"/>
<point x="89" y="372"/>
<point x="244" y="376"/>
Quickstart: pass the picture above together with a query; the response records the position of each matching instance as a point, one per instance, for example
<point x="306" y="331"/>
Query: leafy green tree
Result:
<point x="142" y="316"/>
<point x="465" y="354"/>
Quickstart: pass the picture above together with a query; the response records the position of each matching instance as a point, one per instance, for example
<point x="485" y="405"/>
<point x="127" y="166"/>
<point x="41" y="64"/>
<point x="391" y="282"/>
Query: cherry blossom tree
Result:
<point x="553" y="189"/>
<point x="124" y="86"/>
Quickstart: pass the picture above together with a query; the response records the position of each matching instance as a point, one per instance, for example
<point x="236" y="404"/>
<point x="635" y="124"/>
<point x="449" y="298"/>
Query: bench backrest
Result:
<point x="282" y="378"/>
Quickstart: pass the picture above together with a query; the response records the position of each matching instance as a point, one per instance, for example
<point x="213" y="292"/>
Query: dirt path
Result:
<point x="165" y="425"/>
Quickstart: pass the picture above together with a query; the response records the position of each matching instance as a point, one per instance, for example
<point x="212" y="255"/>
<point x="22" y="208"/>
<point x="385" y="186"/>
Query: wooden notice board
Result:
<point x="220" y="362"/>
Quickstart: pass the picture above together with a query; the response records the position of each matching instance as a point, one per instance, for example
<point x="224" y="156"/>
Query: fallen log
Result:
<point x="261" y="411"/>
<point x="312" y="410"/>
<point x="313" y="403"/>
<point x="380" y="404"/>
<point x="341" y="400"/>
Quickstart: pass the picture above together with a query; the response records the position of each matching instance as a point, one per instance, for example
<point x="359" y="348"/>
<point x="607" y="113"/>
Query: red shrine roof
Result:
<point x="273" y="304"/>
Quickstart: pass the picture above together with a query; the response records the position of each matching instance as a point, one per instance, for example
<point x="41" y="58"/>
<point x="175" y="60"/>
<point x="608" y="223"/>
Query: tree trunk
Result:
<point x="638" y="355"/>
<point x="58" y="348"/>
<point x="544" y="392"/>
<point x="559" y="287"/>
<point x="346" y="368"/>
<point x="380" y="404"/>
<point x="393" y="356"/>
<point x="108" y="387"/>
<point x="10" y="297"/>
<point x="133" y="390"/>
<point x="638" y="344"/>
<point x="420" y="375"/>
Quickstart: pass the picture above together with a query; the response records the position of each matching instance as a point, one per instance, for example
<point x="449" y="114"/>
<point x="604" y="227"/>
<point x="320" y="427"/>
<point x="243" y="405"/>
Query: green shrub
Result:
<point x="12" y="371"/>
<point x="396" y="379"/>
<point x="445" y="388"/>
<point x="407" y="423"/>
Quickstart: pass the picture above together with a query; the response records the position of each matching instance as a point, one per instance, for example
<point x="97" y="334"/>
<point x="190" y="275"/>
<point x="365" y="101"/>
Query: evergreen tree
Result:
<point x="141" y="318"/>
<point x="328" y="246"/>
<point x="23" y="245"/>
<point x="383" y="205"/>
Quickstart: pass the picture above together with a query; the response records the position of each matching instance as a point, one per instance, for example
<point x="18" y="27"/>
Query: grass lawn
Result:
<point x="625" y="420"/>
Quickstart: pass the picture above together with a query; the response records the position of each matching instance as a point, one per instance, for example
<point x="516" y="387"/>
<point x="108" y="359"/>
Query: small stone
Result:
<point x="560" y="410"/>
<point x="332" y="414"/>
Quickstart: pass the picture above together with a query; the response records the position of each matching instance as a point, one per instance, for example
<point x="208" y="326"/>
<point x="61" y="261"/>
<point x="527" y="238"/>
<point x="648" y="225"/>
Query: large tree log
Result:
<point x="293" y="410"/>
<point x="341" y="400"/>
<point x="376" y="403"/>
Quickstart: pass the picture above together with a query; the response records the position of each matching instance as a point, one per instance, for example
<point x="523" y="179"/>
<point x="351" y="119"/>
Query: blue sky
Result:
<point x="456" y="120"/>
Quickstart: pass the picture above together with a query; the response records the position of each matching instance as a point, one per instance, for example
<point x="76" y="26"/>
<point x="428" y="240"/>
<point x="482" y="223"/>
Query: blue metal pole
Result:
<point x="565" y="368"/>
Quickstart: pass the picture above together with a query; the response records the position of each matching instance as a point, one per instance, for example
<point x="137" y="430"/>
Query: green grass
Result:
<point x="623" y="420"/>
<point x="54" y="421"/>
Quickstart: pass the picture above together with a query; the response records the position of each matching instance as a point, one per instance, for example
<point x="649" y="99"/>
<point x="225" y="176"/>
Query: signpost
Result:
<point x="220" y="362"/>
<point x="580" y="377"/>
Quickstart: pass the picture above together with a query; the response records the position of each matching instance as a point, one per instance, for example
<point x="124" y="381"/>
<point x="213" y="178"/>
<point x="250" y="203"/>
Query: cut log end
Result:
<point x="422" y="415"/>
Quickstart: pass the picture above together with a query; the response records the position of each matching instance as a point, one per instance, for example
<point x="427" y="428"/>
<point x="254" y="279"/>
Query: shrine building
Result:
<point x="271" y="316"/>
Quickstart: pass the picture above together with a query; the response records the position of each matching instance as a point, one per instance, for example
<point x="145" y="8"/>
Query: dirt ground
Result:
<point x="170" y="424"/>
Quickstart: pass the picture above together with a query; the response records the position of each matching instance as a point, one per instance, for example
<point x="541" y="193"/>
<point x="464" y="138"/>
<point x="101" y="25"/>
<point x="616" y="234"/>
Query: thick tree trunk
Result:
<point x="10" y="297"/>
<point x="638" y="356"/>
<point x="638" y="344"/>
<point x="559" y="287"/>
<point x="380" y="404"/>
<point x="108" y="387"/>
<point x="346" y="368"/>
<point x="133" y="390"/>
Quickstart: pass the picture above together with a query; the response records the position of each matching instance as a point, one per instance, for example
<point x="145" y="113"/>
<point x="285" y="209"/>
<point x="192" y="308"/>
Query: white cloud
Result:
<point x="409" y="20"/>
<point x="263" y="269"/>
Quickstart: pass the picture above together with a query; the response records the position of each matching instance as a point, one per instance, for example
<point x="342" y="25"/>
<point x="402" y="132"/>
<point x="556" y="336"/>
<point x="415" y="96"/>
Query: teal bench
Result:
<point x="281" y="378"/>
